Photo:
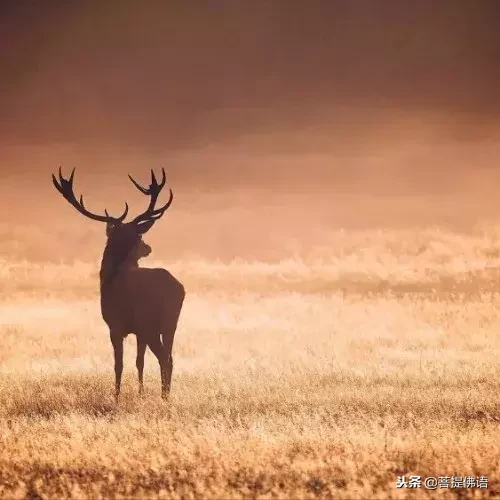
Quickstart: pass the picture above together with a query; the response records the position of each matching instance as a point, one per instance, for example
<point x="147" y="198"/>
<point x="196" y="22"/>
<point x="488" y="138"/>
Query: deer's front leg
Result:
<point x="117" y="341"/>
<point x="139" y="362"/>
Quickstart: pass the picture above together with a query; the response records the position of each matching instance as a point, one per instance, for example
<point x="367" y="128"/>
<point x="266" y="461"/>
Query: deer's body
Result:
<point x="146" y="302"/>
<point x="142" y="301"/>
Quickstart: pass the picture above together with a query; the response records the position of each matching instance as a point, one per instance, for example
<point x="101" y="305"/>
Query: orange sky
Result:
<point x="339" y="96"/>
<point x="157" y="78"/>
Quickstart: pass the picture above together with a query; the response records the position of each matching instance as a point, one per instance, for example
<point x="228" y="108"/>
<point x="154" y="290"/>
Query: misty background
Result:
<point x="276" y="121"/>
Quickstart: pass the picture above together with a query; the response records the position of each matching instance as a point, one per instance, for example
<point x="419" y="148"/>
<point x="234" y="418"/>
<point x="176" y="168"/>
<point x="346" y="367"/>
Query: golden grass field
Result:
<point x="327" y="374"/>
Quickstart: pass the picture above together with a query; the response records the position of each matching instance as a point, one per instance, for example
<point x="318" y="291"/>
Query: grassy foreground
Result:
<point x="307" y="378"/>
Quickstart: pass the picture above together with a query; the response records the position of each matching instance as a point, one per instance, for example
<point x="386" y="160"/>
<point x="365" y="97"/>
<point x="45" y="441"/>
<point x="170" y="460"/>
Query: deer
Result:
<point x="136" y="300"/>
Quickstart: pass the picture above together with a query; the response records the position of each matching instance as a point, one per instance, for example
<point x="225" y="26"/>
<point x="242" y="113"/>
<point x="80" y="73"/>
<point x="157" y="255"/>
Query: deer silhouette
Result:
<point x="143" y="301"/>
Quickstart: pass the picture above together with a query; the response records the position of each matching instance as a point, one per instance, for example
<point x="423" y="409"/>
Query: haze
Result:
<point x="335" y="225"/>
<point x="330" y="115"/>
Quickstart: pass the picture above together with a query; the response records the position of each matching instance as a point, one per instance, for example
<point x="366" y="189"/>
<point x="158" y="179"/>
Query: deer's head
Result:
<point x="124" y="239"/>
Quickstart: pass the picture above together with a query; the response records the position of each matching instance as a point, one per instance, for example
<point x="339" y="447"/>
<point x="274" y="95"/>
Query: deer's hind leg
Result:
<point x="159" y="351"/>
<point x="167" y="341"/>
<point x="168" y="334"/>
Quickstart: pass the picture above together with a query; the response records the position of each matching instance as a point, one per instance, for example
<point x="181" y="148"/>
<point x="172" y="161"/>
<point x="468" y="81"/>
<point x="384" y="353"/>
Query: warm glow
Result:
<point x="335" y="223"/>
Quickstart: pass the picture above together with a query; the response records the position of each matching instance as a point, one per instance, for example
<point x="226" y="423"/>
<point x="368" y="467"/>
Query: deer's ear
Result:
<point x="109" y="229"/>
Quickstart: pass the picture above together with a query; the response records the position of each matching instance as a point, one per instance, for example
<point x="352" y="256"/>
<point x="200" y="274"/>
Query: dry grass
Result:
<point x="326" y="375"/>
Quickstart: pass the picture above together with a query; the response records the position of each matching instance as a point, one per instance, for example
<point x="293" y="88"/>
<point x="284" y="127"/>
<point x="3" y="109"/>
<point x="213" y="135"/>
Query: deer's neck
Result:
<point x="114" y="263"/>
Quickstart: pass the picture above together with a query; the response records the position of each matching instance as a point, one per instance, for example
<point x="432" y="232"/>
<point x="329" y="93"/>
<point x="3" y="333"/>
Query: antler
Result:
<point x="65" y="187"/>
<point x="152" y="214"/>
